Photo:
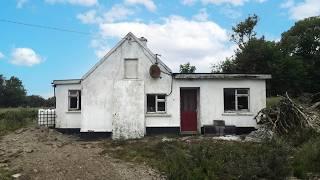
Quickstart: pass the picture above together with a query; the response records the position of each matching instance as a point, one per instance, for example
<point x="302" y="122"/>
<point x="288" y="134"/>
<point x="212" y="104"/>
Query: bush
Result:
<point x="307" y="159"/>
<point x="14" y="119"/>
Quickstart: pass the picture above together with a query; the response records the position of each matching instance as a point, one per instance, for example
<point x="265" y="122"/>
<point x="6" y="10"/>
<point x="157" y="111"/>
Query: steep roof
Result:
<point x="149" y="54"/>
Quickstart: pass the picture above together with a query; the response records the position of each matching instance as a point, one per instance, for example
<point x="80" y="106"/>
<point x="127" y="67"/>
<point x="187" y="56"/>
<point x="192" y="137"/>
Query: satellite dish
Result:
<point x="154" y="71"/>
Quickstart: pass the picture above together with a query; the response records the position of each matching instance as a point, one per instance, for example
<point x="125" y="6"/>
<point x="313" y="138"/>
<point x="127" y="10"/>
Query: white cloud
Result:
<point x="178" y="40"/>
<point x="116" y="13"/>
<point x="231" y="2"/>
<point x="25" y="57"/>
<point x="220" y="2"/>
<point x="302" y="10"/>
<point x="74" y="2"/>
<point x="149" y="4"/>
<point x="287" y="4"/>
<point x="89" y="17"/>
<point x="188" y="2"/>
<point x="1" y="55"/>
<point x="201" y="16"/>
<point x="261" y="1"/>
<point x="20" y="3"/>
<point x="101" y="47"/>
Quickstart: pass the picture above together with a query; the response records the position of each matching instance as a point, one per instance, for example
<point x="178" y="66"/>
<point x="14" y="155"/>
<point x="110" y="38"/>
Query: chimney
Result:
<point x="143" y="40"/>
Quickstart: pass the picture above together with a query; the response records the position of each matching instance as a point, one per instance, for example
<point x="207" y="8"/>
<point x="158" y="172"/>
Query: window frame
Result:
<point x="78" y="96"/>
<point x="156" y="104"/>
<point x="236" y="95"/>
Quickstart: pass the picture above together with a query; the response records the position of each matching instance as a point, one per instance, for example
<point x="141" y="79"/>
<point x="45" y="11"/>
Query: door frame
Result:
<point x="198" y="109"/>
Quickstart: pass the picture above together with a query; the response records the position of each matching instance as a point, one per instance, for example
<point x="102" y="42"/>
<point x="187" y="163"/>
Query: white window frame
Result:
<point x="77" y="95"/>
<point x="156" y="103"/>
<point x="236" y="99"/>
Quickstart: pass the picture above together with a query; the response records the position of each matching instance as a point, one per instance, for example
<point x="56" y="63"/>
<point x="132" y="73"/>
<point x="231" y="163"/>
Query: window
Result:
<point x="74" y="100"/>
<point x="131" y="68"/>
<point x="236" y="99"/>
<point x="156" y="103"/>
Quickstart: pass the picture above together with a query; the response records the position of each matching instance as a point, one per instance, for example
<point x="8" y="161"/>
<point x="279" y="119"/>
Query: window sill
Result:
<point x="237" y="114"/>
<point x="157" y="115"/>
<point x="73" y="111"/>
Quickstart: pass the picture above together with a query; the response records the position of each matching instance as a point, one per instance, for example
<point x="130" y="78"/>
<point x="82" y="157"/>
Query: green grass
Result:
<point x="3" y="110"/>
<point x="14" y="118"/>
<point x="5" y="174"/>
<point x="206" y="159"/>
<point x="272" y="101"/>
<point x="307" y="159"/>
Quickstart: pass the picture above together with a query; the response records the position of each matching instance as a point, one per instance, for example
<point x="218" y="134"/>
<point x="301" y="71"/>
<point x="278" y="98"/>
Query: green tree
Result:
<point x="14" y="93"/>
<point x="244" y="31"/>
<point x="2" y="88"/>
<point x="35" y="101"/>
<point x="51" y="102"/>
<point x="187" y="68"/>
<point x="257" y="55"/>
<point x="303" y="41"/>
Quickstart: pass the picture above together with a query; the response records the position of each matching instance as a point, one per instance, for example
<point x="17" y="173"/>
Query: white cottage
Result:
<point x="130" y="93"/>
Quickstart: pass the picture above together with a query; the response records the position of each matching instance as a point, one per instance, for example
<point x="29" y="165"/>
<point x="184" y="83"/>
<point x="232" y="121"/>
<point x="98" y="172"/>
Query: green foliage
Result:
<point x="303" y="39"/>
<point x="13" y="94"/>
<point x="5" y="174"/>
<point x="273" y="101"/>
<point x="307" y="159"/>
<point x="12" y="120"/>
<point x="244" y="31"/>
<point x="208" y="159"/>
<point x="227" y="161"/>
<point x="294" y="62"/>
<point x="187" y="68"/>
<point x="51" y="102"/>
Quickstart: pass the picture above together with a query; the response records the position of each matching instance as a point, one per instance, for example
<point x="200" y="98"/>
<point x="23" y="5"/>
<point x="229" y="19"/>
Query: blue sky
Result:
<point x="183" y="30"/>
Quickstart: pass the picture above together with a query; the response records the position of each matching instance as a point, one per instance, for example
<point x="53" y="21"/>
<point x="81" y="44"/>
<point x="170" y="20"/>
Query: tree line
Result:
<point x="13" y="94"/>
<point x="293" y="61"/>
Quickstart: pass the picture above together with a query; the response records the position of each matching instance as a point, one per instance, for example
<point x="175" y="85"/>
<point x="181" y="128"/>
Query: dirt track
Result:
<point x="40" y="153"/>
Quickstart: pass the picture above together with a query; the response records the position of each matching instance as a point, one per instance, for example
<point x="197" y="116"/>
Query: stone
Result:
<point x="165" y="139"/>
<point x="6" y="160"/>
<point x="2" y="165"/>
<point x="19" y="131"/>
<point x="28" y="150"/>
<point x="16" y="175"/>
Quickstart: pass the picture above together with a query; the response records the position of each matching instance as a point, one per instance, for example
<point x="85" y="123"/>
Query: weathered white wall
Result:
<point x="66" y="118"/>
<point x="211" y="105"/>
<point x="128" y="122"/>
<point x="101" y="90"/>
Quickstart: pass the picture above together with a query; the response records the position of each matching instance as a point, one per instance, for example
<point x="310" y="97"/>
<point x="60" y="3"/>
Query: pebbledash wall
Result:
<point x="112" y="103"/>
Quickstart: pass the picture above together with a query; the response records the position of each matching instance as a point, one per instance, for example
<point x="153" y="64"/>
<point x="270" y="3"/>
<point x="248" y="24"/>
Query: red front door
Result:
<point x="188" y="105"/>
